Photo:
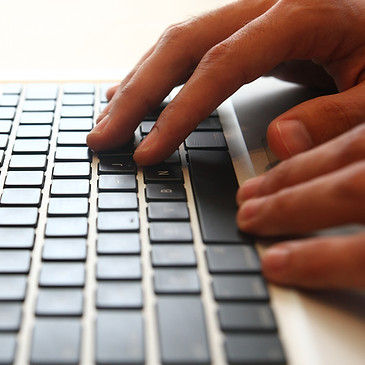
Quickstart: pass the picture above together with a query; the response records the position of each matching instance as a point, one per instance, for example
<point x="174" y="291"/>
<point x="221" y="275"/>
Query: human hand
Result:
<point x="218" y="52"/>
<point x="320" y="188"/>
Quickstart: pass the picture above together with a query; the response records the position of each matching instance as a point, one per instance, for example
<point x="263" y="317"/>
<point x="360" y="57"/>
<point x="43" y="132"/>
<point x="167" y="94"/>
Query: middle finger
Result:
<point x="326" y="201"/>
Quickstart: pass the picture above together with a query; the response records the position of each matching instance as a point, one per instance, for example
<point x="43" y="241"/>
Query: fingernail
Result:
<point x="294" y="136"/>
<point x="275" y="259"/>
<point x="250" y="208"/>
<point x="249" y="189"/>
<point x="146" y="143"/>
<point x="101" y="125"/>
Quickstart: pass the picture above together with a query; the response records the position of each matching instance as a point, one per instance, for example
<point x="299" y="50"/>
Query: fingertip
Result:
<point x="93" y="141"/>
<point x="111" y="91"/>
<point x="94" y="138"/>
<point x="156" y="146"/>
<point x="287" y="138"/>
<point x="274" y="263"/>
<point x="249" y="189"/>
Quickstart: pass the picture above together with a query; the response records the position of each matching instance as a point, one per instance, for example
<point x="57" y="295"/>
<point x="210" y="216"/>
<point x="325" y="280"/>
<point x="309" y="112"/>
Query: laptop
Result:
<point x="106" y="262"/>
<point x="93" y="291"/>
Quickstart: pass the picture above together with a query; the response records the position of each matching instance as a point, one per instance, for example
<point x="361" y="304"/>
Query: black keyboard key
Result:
<point x="118" y="243"/>
<point x="182" y="331"/>
<point x="3" y="141"/>
<point x="117" y="183"/>
<point x="176" y="281"/>
<point x="13" y="287"/>
<point x="18" y="179"/>
<point x="68" y="207"/>
<point x="206" y="141"/>
<point x="21" y="197"/>
<point x="56" y="341"/>
<point x="246" y="317"/>
<point x="78" y="111"/>
<point x="117" y="165"/>
<point x="163" y="173"/>
<point x="12" y="88"/>
<point x="215" y="186"/>
<point x="209" y="124"/>
<point x="80" y="170"/>
<point x="26" y="217"/>
<point x="254" y="349"/>
<point x="76" y="124"/>
<point x="169" y="232"/>
<point x="31" y="146"/>
<point x="119" y="295"/>
<point x="36" y="118"/>
<point x="118" y="221"/>
<point x="40" y="91"/>
<point x="240" y="287"/>
<point x="117" y="201"/>
<point x="165" y="192"/>
<point x="78" y="99"/>
<point x="15" y="262"/>
<point x="168" y="211"/>
<point x="9" y="100"/>
<point x="175" y="255"/>
<point x="120" y="338"/>
<point x="39" y="105"/>
<point x="233" y="258"/>
<point x="146" y="126"/>
<point x="5" y="126"/>
<point x="17" y="238"/>
<point x="7" y="112"/>
<point x="174" y="159"/>
<point x="118" y="268"/>
<point x="70" y="187"/>
<point x="10" y="318"/>
<point x="34" y="131"/>
<point x="72" y="154"/>
<point x="72" y="138"/>
<point x="126" y="150"/>
<point x="59" y="302"/>
<point x="28" y="162"/>
<point x="64" y="249"/>
<point x="8" y="347"/>
<point x="55" y="274"/>
<point x="66" y="227"/>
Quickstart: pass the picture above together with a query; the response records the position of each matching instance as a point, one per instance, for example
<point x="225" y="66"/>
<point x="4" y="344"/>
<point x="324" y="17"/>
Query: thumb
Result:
<point x="316" y="121"/>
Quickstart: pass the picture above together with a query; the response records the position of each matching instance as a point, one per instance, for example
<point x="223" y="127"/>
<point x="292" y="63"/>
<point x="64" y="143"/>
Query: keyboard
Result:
<point x="106" y="262"/>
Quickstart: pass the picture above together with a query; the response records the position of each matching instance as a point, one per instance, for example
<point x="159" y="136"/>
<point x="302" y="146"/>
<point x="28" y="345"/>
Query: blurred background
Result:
<point x="85" y="34"/>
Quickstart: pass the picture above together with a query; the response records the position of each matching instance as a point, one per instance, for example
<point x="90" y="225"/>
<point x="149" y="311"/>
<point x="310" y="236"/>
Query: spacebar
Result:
<point x="215" y="185"/>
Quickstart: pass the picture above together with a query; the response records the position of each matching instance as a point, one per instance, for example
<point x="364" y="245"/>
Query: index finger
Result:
<point x="169" y="63"/>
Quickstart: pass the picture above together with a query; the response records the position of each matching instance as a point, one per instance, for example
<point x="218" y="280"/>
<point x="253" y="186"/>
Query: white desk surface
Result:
<point x="80" y="37"/>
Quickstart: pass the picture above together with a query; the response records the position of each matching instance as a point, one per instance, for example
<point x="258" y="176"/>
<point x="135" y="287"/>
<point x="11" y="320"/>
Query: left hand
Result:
<point x="218" y="52"/>
<point x="320" y="188"/>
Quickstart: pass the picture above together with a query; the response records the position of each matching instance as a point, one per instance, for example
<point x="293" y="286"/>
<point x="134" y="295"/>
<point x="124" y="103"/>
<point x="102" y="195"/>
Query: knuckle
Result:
<point x="176" y="35"/>
<point x="177" y="41"/>
<point x="217" y="55"/>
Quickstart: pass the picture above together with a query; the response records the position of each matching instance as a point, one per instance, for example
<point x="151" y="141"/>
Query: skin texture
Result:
<point x="320" y="183"/>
